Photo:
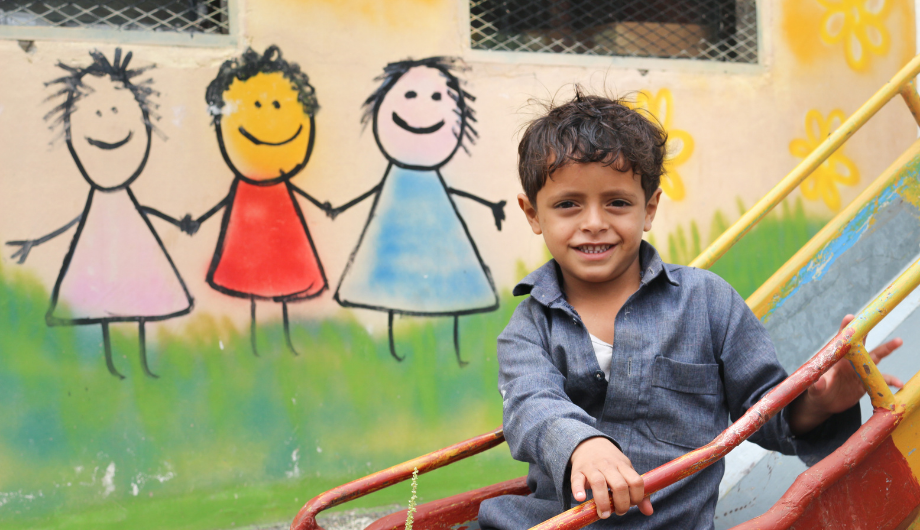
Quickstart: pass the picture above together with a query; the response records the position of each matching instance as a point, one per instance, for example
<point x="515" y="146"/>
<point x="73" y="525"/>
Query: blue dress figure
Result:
<point x="415" y="255"/>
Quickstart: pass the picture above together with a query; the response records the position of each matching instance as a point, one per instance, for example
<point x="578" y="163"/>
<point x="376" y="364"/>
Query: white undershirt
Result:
<point x="604" y="354"/>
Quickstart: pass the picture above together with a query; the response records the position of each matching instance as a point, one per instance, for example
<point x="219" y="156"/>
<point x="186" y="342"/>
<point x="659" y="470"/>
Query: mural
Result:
<point x="837" y="169"/>
<point x="415" y="255"/>
<point x="859" y="25"/>
<point x="263" y="110"/>
<point x="116" y="269"/>
<point x="680" y="143"/>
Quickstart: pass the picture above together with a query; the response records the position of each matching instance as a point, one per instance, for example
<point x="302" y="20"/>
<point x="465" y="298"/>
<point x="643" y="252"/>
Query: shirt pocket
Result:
<point x="684" y="402"/>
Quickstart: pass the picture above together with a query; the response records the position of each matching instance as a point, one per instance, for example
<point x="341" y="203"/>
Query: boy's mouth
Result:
<point x="593" y="249"/>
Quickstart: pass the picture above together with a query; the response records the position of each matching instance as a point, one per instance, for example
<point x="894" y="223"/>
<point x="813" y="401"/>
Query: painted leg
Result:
<point x="460" y="361"/>
<point x="107" y="345"/>
<point x="142" y="338"/>
<point x="390" y="332"/>
<point x="287" y="329"/>
<point x="252" y="327"/>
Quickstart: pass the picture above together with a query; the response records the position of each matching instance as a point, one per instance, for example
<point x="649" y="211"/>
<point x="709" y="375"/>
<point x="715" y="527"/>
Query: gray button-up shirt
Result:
<point x="688" y="355"/>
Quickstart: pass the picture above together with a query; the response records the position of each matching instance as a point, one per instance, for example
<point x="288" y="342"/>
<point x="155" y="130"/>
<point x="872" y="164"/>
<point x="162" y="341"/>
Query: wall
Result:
<point x="222" y="436"/>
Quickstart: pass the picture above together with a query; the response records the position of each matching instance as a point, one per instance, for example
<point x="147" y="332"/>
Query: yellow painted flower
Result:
<point x="837" y="169"/>
<point x="680" y="143"/>
<point x="860" y="24"/>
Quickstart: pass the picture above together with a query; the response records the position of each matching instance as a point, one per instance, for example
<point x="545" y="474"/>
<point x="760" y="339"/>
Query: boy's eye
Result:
<point x="565" y="204"/>
<point x="619" y="203"/>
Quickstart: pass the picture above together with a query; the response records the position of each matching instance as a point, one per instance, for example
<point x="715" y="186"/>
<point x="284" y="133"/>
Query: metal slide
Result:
<point x="870" y="251"/>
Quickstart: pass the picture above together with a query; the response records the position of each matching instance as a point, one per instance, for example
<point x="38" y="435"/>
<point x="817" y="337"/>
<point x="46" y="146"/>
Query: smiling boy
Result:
<point x="618" y="363"/>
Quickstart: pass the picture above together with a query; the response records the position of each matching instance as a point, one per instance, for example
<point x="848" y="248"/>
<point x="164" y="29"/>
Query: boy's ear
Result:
<point x="530" y="212"/>
<point x="651" y="208"/>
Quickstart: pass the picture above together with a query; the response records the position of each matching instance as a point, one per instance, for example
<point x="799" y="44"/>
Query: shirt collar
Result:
<point x="543" y="284"/>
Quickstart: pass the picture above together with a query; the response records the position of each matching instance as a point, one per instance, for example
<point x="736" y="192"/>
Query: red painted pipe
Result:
<point x="812" y="483"/>
<point x="306" y="517"/>
<point x="752" y="420"/>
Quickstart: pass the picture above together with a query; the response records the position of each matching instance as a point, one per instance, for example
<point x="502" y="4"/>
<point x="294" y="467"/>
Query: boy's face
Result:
<point x="265" y="131"/>
<point x="592" y="217"/>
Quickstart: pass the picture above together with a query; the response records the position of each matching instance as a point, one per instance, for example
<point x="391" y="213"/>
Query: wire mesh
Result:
<point x="719" y="30"/>
<point x="195" y="16"/>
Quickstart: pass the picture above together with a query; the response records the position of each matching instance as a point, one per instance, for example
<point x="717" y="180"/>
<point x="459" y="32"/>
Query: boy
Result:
<point x="618" y="363"/>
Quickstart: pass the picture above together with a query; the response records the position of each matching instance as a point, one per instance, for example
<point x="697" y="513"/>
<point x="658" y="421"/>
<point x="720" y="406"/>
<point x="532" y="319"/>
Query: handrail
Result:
<point x="781" y="396"/>
<point x="306" y="517"/>
<point x="805" y="168"/>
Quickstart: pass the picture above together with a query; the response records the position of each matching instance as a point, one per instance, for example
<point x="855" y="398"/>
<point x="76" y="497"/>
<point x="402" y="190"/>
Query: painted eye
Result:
<point x="114" y="110"/>
<point x="436" y="96"/>
<point x="258" y="104"/>
<point x="410" y="94"/>
<point x="276" y="104"/>
<point x="99" y="113"/>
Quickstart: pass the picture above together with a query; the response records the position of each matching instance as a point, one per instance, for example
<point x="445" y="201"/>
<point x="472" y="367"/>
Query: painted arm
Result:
<point x="186" y="224"/>
<point x="333" y="212"/>
<point x="324" y="206"/>
<point x="498" y="208"/>
<point x="25" y="245"/>
<point x="194" y="224"/>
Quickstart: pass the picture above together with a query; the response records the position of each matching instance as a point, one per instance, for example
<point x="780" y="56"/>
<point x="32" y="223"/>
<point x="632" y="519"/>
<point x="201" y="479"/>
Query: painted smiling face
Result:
<point x="264" y="132"/>
<point x="108" y="134"/>
<point x="419" y="122"/>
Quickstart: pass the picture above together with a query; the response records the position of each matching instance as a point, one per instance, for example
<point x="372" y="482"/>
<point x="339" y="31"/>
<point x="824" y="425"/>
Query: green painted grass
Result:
<point x="224" y="437"/>
<point x="761" y="252"/>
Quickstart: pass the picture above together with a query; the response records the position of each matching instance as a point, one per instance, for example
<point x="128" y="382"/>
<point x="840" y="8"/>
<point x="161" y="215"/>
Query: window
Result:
<point x="189" y="17"/>
<point x="715" y="30"/>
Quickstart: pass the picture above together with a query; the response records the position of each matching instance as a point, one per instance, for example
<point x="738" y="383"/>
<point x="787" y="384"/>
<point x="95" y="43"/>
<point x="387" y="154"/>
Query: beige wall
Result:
<point x="741" y="121"/>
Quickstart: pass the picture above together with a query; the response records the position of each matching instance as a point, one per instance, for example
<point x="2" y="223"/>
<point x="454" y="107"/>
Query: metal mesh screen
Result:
<point x="719" y="30"/>
<point x="196" y="16"/>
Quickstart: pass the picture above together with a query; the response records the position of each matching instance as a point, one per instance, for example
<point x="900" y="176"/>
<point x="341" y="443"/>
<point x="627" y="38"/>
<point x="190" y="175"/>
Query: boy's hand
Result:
<point x="597" y="463"/>
<point x="837" y="390"/>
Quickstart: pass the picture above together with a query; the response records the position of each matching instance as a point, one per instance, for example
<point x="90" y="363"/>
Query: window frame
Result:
<point x="764" y="43"/>
<point x="139" y="37"/>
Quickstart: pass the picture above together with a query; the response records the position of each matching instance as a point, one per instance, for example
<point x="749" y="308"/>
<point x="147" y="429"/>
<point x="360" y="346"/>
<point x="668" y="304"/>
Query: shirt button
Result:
<point x="599" y="375"/>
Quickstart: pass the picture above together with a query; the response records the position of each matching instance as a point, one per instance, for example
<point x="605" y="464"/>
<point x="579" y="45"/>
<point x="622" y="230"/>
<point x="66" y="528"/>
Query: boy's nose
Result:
<point x="593" y="219"/>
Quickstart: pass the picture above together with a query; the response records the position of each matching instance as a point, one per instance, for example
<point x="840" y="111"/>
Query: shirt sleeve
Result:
<point x="751" y="370"/>
<point x="541" y="423"/>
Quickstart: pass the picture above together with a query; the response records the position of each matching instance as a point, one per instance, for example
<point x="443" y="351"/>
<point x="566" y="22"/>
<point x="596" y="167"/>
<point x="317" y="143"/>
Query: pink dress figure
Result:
<point x="116" y="269"/>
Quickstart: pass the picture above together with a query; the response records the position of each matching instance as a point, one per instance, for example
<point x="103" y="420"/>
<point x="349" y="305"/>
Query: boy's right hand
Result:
<point x="598" y="463"/>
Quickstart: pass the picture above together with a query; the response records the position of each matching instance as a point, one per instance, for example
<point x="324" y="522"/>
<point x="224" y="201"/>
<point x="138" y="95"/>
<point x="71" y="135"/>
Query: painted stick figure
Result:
<point x="415" y="255"/>
<point x="263" y="108"/>
<point x="116" y="269"/>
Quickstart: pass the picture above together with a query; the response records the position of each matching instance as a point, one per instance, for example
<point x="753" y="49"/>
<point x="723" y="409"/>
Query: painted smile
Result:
<point x="416" y="130"/>
<point x="256" y="141"/>
<point x="105" y="145"/>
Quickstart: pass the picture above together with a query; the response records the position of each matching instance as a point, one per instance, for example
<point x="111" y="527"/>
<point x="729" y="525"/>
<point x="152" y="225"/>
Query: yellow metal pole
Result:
<point x="721" y="245"/>
<point x="908" y="398"/>
<point x="870" y="376"/>
<point x="909" y="93"/>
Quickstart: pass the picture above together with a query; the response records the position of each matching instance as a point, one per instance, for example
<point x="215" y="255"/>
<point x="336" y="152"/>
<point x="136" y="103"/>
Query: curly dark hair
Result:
<point x="587" y="129"/>
<point x="250" y="64"/>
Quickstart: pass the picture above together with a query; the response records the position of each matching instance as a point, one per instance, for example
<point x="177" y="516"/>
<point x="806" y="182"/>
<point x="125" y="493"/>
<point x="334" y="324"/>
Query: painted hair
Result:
<point x="590" y="129"/>
<point x="447" y="66"/>
<point x="74" y="90"/>
<point x="251" y="64"/>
